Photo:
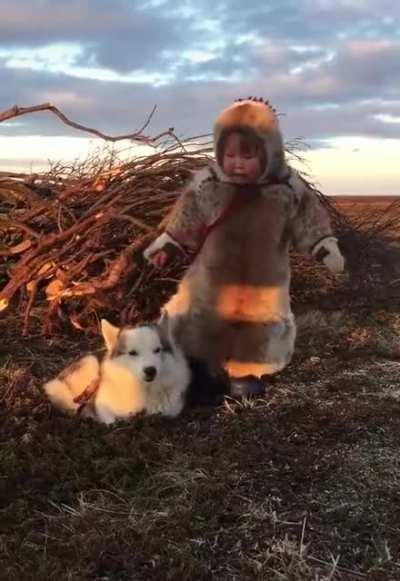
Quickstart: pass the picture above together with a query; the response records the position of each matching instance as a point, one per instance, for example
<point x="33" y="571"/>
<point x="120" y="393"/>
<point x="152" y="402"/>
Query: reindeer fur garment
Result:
<point x="232" y="307"/>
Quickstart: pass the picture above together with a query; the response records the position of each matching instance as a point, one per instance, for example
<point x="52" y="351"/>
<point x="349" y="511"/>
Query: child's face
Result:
<point x="242" y="167"/>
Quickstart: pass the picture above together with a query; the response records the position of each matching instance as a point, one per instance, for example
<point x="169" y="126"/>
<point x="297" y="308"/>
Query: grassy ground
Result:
<point x="304" y="484"/>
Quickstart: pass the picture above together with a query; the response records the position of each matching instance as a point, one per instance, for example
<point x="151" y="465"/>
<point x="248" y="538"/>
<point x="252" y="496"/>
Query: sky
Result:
<point x="330" y="67"/>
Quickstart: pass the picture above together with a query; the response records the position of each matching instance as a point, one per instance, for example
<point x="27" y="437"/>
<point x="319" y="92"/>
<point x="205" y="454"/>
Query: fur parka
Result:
<point x="232" y="307"/>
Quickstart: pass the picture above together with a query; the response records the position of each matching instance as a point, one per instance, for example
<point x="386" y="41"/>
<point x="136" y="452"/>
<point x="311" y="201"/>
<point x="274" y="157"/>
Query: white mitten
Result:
<point x="327" y="252"/>
<point x="160" y="243"/>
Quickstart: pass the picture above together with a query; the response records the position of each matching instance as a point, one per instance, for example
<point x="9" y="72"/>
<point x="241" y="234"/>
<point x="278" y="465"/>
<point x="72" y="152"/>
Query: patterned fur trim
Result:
<point x="325" y="241"/>
<point x="159" y="243"/>
<point x="297" y="184"/>
<point x="202" y="178"/>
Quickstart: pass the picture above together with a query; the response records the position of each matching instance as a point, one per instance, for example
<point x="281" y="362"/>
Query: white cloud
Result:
<point x="388" y="118"/>
<point x="332" y="67"/>
<point x="65" y="59"/>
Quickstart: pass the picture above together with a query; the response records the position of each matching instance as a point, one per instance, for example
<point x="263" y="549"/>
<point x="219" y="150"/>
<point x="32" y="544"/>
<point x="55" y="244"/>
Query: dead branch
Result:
<point x="7" y="224"/>
<point x="31" y="263"/>
<point x="17" y="111"/>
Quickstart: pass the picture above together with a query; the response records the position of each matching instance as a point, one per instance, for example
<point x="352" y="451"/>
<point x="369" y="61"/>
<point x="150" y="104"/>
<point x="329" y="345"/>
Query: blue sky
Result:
<point x="330" y="67"/>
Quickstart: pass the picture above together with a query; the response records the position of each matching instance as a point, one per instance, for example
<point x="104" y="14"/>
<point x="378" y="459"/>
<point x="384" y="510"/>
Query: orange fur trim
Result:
<point x="252" y="304"/>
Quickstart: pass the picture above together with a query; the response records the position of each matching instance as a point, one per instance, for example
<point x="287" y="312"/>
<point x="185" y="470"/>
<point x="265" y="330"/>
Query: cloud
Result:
<point x="332" y="67"/>
<point x="112" y="34"/>
<point x="344" y="120"/>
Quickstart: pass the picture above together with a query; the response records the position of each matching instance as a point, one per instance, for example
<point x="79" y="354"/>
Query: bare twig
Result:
<point x="17" y="111"/>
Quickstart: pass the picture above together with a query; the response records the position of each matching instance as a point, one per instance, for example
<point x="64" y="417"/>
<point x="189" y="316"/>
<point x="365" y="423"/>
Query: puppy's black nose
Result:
<point x="149" y="373"/>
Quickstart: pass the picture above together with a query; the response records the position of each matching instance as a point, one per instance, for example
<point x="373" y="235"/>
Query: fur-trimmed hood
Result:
<point x="258" y="116"/>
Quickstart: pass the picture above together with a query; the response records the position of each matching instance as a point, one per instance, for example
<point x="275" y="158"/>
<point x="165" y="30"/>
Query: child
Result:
<point x="241" y="215"/>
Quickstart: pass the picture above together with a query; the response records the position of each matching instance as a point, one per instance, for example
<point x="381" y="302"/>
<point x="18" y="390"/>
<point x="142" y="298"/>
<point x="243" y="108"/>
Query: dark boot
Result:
<point x="205" y="387"/>
<point x="247" y="386"/>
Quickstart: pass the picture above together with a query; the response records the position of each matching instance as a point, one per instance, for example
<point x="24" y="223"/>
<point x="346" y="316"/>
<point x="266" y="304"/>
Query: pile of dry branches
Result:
<point x="71" y="242"/>
<point x="71" y="239"/>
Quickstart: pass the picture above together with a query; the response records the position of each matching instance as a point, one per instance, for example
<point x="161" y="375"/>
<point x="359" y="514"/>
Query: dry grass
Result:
<point x="302" y="484"/>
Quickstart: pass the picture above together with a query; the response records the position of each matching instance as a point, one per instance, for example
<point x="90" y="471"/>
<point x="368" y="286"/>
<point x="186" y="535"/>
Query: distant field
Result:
<point x="370" y="206"/>
<point x="366" y="199"/>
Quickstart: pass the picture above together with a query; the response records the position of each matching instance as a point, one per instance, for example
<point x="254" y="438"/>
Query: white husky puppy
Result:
<point x="143" y="370"/>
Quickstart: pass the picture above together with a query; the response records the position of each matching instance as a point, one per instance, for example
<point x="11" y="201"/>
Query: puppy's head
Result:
<point x="141" y="348"/>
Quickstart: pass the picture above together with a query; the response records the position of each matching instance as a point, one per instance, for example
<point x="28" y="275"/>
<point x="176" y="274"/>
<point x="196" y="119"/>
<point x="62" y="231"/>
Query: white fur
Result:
<point x="125" y="389"/>
<point x="297" y="183"/>
<point x="71" y="382"/>
<point x="158" y="244"/>
<point x="334" y="259"/>
<point x="201" y="175"/>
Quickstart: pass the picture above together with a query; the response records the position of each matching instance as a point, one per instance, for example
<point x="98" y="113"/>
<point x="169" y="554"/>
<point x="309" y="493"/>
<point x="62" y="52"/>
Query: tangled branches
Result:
<point x="74" y="236"/>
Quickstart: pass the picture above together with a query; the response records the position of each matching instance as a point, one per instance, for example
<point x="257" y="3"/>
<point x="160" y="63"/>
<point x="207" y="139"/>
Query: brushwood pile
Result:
<point x="71" y="242"/>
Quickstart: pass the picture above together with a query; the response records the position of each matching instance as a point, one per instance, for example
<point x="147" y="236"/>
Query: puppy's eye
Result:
<point x="157" y="350"/>
<point x="133" y="353"/>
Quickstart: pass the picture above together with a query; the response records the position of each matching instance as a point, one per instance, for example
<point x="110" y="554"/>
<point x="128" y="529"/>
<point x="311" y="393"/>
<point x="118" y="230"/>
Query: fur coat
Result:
<point x="232" y="307"/>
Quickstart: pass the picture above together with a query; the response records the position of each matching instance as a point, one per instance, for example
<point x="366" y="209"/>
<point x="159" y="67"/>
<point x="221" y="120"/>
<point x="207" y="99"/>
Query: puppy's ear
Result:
<point x="110" y="334"/>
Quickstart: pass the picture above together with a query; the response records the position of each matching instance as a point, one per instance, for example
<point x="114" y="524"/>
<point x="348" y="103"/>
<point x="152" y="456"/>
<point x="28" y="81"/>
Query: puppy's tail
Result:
<point x="206" y="388"/>
<point x="70" y="383"/>
<point x="60" y="395"/>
